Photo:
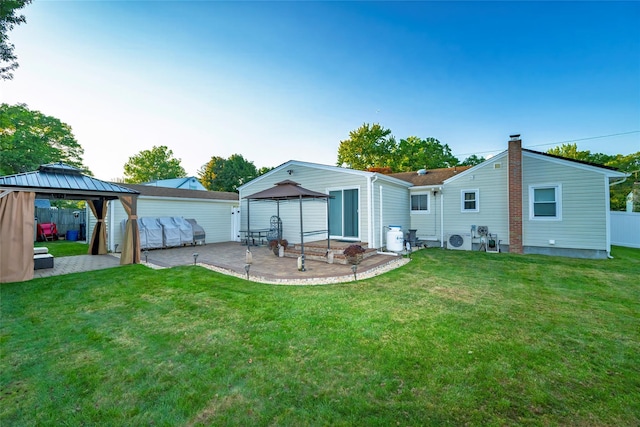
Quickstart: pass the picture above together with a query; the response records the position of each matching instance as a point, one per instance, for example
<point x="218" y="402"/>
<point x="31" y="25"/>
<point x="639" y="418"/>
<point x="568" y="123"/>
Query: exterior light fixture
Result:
<point x="195" y="258"/>
<point x="354" y="268"/>
<point x="146" y="256"/>
<point x="116" y="248"/>
<point x="246" y="269"/>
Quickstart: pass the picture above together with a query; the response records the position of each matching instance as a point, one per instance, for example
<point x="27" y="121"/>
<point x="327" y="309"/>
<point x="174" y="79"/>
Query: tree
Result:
<point x="368" y="146"/>
<point x="570" y="151"/>
<point x="414" y="153"/>
<point x="209" y="171"/>
<point x="264" y="170"/>
<point x="150" y="165"/>
<point x="29" y="138"/>
<point x="624" y="163"/>
<point x="8" y="20"/>
<point x="220" y="174"/>
<point x="472" y="160"/>
<point x="619" y="192"/>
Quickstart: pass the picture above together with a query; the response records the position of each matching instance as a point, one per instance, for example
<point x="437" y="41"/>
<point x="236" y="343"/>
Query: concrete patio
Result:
<point x="230" y="258"/>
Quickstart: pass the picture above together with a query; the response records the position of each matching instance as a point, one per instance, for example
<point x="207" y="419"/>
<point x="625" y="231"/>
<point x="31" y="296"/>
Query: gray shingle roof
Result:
<point x="431" y="177"/>
<point x="149" y="190"/>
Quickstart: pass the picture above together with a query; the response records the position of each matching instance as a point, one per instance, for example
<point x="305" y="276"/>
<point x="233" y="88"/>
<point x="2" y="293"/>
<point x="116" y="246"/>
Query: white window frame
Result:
<point x="558" y="201"/>
<point x="477" y="200"/>
<point x="419" y="211"/>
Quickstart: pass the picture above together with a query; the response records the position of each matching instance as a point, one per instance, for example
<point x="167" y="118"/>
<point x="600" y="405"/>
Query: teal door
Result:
<point x="343" y="213"/>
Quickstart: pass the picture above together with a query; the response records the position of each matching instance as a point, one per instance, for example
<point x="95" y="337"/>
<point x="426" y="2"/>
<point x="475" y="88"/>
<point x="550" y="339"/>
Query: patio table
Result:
<point x="259" y="235"/>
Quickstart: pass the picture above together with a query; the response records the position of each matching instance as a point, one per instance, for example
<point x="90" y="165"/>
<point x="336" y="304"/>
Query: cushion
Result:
<point x="42" y="261"/>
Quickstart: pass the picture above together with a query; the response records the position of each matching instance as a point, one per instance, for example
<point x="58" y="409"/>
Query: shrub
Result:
<point x="354" y="250"/>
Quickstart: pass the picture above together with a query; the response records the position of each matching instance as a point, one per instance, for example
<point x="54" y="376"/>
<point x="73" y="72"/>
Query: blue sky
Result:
<point x="276" y="81"/>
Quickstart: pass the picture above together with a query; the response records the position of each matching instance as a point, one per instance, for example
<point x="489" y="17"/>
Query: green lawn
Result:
<point x="452" y="338"/>
<point x="60" y="248"/>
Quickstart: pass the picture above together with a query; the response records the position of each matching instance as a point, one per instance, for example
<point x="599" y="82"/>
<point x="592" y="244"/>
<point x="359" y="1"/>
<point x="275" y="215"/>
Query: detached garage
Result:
<point x="217" y="212"/>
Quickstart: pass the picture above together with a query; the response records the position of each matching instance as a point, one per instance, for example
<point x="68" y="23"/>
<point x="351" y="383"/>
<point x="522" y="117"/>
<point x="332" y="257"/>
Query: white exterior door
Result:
<point x="235" y="224"/>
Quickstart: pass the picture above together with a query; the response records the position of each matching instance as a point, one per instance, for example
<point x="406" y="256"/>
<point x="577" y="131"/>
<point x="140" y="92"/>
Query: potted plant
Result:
<point x="353" y="254"/>
<point x="278" y="246"/>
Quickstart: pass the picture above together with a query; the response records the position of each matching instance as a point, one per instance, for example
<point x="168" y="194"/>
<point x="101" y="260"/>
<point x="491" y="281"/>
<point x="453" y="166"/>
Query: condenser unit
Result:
<point x="459" y="241"/>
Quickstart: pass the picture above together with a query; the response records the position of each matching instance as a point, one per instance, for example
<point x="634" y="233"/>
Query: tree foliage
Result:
<point x="373" y="147"/>
<point x="414" y="153"/>
<point x="29" y="138"/>
<point x="368" y="146"/>
<point x="8" y="20"/>
<point x="151" y="165"/>
<point x="472" y="160"/>
<point x="220" y="174"/>
<point x="625" y="163"/>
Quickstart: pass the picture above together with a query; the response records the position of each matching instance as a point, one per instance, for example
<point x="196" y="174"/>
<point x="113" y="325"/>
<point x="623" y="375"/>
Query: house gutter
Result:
<point x="618" y="182"/>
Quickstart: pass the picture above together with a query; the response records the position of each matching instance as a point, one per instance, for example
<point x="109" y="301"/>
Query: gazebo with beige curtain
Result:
<point x="58" y="181"/>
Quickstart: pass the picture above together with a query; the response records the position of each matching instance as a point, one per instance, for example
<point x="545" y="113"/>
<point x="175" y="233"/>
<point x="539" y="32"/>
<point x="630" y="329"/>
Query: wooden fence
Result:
<point x="625" y="229"/>
<point x="65" y="219"/>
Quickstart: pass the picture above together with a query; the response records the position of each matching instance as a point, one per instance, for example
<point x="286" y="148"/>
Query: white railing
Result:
<point x="625" y="229"/>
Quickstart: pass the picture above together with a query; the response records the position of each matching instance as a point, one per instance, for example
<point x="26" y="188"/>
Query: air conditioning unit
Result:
<point x="459" y="241"/>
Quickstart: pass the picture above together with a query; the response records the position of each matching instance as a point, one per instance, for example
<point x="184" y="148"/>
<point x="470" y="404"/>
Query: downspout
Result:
<point x="441" y="218"/>
<point x="371" y="208"/>
<point x="381" y="228"/>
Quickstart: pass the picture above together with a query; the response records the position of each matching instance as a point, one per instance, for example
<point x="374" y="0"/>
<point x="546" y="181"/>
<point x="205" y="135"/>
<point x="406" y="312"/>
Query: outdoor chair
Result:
<point x="47" y="231"/>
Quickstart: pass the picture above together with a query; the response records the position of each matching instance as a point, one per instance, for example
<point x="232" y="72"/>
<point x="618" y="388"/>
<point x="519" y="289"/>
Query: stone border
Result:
<point x="376" y="271"/>
<point x="312" y="281"/>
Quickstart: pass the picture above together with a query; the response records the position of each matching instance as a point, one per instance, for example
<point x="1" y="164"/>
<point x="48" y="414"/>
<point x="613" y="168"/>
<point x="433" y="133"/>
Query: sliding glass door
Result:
<point x="343" y="213"/>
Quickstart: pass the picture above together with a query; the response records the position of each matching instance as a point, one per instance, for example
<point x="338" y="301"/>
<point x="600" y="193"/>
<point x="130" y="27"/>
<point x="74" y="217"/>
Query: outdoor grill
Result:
<point x="198" y="232"/>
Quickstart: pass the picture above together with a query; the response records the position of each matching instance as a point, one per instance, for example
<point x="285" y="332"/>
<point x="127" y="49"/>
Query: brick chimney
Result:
<point x="515" y="194"/>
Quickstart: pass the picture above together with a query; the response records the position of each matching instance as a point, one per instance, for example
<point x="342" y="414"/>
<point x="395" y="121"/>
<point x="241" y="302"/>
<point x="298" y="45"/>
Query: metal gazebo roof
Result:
<point x="58" y="180"/>
<point x="286" y="190"/>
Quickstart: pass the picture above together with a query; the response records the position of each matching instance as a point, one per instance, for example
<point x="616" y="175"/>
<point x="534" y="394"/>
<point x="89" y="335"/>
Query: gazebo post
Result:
<point x="328" y="228"/>
<point x="279" y="220"/>
<point x="301" y="236"/>
<point x="248" y="222"/>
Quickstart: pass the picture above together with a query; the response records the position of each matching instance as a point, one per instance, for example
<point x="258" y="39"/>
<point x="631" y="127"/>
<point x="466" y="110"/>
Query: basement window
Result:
<point x="545" y="202"/>
<point x="469" y="200"/>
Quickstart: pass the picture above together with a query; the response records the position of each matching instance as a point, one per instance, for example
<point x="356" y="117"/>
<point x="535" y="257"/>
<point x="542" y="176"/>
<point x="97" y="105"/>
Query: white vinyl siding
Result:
<point x="395" y="200"/>
<point x="582" y="204"/>
<point x="314" y="211"/>
<point x="492" y="199"/>
<point x="213" y="215"/>
<point x="427" y="223"/>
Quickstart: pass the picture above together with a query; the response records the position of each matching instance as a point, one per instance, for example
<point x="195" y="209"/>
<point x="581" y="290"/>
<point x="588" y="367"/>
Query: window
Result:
<point x="469" y="201"/>
<point x="545" y="202"/>
<point x="420" y="203"/>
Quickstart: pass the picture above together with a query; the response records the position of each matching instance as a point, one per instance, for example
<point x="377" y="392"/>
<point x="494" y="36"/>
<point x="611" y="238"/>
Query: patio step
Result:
<point x="319" y="253"/>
